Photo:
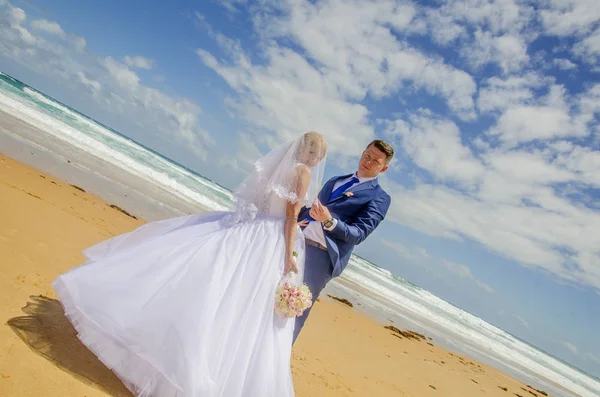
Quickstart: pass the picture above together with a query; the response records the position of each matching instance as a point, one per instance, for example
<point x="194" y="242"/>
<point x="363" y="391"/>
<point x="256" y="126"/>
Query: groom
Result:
<point x="349" y="208"/>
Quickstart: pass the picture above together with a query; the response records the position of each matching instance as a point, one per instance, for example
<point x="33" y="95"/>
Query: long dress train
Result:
<point x="184" y="306"/>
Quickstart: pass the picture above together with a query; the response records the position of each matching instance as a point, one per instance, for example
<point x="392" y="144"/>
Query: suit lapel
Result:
<point x="328" y="188"/>
<point x="357" y="188"/>
<point x="362" y="186"/>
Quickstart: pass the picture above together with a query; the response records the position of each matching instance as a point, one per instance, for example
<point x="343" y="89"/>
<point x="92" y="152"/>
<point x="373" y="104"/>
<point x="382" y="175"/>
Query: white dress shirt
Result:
<point x="314" y="230"/>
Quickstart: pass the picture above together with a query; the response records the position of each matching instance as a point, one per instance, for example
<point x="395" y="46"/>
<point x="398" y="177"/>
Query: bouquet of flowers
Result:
<point x="292" y="300"/>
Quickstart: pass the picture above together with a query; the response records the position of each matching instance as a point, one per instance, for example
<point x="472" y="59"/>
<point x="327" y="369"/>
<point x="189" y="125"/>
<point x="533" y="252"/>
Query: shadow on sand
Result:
<point x="46" y="330"/>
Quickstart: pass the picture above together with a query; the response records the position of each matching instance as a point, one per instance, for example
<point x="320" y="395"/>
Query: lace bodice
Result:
<point x="274" y="206"/>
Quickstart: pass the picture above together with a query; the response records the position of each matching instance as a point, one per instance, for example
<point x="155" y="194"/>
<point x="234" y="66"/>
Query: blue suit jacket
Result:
<point x="357" y="215"/>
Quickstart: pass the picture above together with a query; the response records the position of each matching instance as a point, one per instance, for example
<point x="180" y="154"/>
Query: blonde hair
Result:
<point x="314" y="139"/>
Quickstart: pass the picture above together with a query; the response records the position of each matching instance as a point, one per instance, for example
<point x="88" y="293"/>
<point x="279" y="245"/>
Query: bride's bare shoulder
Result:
<point x="302" y="171"/>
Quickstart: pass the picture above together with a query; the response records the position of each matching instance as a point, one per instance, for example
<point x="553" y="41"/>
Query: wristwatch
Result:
<point x="328" y="223"/>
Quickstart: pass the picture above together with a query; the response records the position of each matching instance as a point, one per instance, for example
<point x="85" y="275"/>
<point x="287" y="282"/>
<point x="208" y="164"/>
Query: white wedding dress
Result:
<point x="185" y="306"/>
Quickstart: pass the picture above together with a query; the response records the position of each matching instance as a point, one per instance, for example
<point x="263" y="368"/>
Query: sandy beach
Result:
<point x="44" y="225"/>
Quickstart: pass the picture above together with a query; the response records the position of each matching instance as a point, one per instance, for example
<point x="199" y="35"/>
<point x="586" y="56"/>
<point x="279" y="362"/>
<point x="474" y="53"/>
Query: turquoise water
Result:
<point x="98" y="140"/>
<point x="383" y="290"/>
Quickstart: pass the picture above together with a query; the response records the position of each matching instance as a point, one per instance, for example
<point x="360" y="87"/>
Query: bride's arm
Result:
<point x="291" y="217"/>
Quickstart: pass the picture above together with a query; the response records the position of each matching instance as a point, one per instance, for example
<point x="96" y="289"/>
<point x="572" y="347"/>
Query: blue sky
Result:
<point x="492" y="107"/>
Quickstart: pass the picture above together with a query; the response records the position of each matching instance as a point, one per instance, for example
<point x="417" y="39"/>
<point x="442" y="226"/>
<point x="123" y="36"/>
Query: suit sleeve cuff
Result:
<point x="333" y="225"/>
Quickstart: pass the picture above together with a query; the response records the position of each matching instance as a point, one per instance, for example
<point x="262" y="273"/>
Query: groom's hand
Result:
<point x="319" y="212"/>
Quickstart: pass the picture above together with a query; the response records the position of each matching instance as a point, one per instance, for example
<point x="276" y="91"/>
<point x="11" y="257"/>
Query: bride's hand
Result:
<point x="290" y="265"/>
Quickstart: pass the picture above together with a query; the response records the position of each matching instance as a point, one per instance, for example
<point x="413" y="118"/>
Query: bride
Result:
<point x="185" y="306"/>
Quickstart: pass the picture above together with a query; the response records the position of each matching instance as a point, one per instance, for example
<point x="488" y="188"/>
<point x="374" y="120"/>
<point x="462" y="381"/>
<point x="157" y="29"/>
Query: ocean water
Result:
<point x="106" y="161"/>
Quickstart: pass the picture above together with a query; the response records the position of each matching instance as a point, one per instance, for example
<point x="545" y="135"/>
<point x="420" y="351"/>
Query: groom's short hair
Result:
<point x="385" y="148"/>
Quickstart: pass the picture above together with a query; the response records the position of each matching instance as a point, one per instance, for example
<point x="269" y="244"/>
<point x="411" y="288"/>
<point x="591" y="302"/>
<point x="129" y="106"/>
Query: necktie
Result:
<point x="338" y="192"/>
<point x="342" y="189"/>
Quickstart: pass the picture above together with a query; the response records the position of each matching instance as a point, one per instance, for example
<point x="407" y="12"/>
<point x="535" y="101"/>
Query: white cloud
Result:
<point x="12" y="31"/>
<point x="422" y="252"/>
<point x="33" y="51"/>
<point x="571" y="347"/>
<point x="110" y="83"/>
<point x="550" y="118"/>
<point x="138" y="62"/>
<point x="592" y="357"/>
<point x="125" y="77"/>
<point x="486" y="31"/>
<point x="496" y="94"/>
<point x="460" y="270"/>
<point x="588" y="49"/>
<point x="319" y="81"/>
<point x="508" y="51"/>
<point x="564" y="64"/>
<point x="497" y="16"/>
<point x="409" y="253"/>
<point x="555" y="115"/>
<point x="16" y="15"/>
<point x="464" y="272"/>
<point x="437" y="78"/>
<point x="444" y="27"/>
<point x="588" y="106"/>
<point x="582" y="161"/>
<point x="542" y="234"/>
<point x="519" y="190"/>
<point x="511" y="52"/>
<point x="48" y="27"/>
<point x="435" y="145"/>
<point x="575" y="18"/>
<point x="521" y="320"/>
<point x="181" y="114"/>
<point x="246" y="154"/>
<point x="484" y="286"/>
<point x="511" y="166"/>
<point x="400" y="249"/>
<point x="370" y="59"/>
<point x="587" y="356"/>
<point x="93" y="85"/>
<point x="290" y="96"/>
<point x="231" y="5"/>
<point x="568" y="17"/>
<point x="80" y="44"/>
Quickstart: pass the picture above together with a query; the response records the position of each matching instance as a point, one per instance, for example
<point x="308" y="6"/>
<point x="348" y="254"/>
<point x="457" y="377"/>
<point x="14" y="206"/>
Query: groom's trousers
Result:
<point x="317" y="272"/>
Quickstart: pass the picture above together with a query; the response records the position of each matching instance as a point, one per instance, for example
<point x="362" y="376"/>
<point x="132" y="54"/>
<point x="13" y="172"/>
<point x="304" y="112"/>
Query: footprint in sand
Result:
<point x="36" y="282"/>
